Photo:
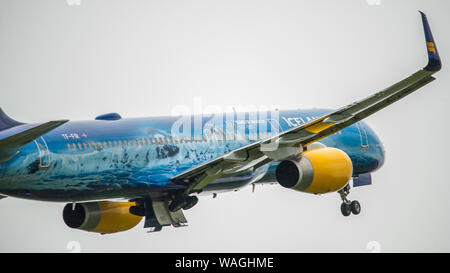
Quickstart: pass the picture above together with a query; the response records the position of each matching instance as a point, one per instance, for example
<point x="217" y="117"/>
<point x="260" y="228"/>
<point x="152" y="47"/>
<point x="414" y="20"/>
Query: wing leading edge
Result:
<point x="291" y="142"/>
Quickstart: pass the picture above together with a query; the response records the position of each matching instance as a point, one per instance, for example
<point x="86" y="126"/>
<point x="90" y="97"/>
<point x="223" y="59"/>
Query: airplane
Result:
<point x="114" y="171"/>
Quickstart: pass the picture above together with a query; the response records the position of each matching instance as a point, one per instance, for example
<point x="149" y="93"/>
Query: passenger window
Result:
<point x="115" y="144"/>
<point x="105" y="144"/>
<point x="110" y="144"/>
<point x="69" y="146"/>
<point x="74" y="146"/>
<point x="85" y="145"/>
<point x="146" y="142"/>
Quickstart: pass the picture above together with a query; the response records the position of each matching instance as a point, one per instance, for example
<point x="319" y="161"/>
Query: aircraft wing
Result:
<point x="10" y="145"/>
<point x="292" y="141"/>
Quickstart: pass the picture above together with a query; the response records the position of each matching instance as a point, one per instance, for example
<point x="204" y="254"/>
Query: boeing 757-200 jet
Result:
<point x="113" y="171"/>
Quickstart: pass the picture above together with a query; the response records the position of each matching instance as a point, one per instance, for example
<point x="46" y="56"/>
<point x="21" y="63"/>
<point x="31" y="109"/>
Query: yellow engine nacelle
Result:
<point x="316" y="171"/>
<point x="101" y="217"/>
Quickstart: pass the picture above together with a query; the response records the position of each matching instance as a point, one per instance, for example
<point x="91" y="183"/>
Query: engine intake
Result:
<point x="316" y="171"/>
<point x="101" y="217"/>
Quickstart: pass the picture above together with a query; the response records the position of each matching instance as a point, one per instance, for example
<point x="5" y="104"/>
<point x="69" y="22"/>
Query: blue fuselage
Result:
<point x="129" y="158"/>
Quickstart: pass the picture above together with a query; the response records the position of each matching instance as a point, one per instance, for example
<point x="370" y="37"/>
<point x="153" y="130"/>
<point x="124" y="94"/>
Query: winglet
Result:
<point x="434" y="61"/>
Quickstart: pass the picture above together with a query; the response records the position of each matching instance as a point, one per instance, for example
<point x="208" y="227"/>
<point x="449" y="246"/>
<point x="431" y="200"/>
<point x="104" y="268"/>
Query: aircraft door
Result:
<point x="44" y="154"/>
<point x="363" y="137"/>
<point x="274" y="126"/>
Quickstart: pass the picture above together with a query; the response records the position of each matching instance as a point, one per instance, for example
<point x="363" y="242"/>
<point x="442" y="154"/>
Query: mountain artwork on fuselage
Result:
<point x="114" y="171"/>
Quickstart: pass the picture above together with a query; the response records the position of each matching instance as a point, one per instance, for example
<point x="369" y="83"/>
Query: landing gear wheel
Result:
<point x="346" y="209"/>
<point x="190" y="202"/>
<point x="177" y="204"/>
<point x="183" y="203"/>
<point x="355" y="207"/>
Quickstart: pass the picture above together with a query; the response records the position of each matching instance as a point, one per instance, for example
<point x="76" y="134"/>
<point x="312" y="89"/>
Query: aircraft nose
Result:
<point x="377" y="149"/>
<point x="381" y="155"/>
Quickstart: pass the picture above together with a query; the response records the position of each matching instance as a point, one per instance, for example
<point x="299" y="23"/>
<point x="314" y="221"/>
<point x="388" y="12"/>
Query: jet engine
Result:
<point x="101" y="217"/>
<point x="316" y="171"/>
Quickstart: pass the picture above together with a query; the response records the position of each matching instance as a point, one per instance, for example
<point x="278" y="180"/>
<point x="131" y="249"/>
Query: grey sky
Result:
<point x="142" y="58"/>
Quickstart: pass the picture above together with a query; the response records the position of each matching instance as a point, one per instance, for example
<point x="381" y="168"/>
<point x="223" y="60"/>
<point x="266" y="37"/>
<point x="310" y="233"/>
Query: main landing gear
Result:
<point x="184" y="203"/>
<point x="348" y="207"/>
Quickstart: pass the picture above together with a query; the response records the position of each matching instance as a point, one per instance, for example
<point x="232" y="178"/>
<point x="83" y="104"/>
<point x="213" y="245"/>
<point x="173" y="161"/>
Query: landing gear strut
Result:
<point x="348" y="207"/>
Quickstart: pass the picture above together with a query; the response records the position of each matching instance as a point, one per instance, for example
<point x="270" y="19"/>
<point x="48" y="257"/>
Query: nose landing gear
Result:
<point x="348" y="207"/>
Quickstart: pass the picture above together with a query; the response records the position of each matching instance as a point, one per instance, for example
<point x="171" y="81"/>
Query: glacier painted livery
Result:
<point x="112" y="171"/>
